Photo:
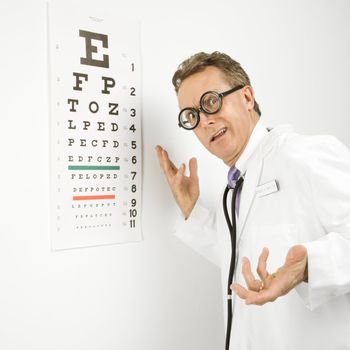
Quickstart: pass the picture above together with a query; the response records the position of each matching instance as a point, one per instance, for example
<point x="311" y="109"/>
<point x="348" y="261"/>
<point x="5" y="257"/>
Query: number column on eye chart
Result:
<point x="131" y="159"/>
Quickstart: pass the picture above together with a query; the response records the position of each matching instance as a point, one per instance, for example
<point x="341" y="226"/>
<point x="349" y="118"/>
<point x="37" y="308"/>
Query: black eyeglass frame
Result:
<point x="196" y="111"/>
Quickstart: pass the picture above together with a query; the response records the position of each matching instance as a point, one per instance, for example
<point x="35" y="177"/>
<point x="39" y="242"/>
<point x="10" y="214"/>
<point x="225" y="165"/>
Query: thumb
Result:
<point x="295" y="254"/>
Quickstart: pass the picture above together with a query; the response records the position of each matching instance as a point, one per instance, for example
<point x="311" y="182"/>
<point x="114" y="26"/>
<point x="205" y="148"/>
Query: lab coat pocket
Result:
<point x="278" y="238"/>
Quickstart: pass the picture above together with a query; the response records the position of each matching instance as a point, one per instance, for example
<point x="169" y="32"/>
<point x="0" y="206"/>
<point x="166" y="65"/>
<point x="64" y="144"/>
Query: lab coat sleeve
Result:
<point x="199" y="232"/>
<point x="329" y="256"/>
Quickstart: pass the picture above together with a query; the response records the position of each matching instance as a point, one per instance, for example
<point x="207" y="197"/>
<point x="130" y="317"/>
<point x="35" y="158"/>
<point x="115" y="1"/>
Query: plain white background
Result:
<point x="155" y="294"/>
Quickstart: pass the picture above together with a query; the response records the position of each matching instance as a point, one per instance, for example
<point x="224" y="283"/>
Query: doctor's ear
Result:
<point x="248" y="94"/>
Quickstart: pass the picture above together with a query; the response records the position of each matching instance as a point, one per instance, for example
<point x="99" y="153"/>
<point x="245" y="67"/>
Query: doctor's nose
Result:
<point x="206" y="119"/>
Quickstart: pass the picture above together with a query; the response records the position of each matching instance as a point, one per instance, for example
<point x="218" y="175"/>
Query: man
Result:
<point x="292" y="211"/>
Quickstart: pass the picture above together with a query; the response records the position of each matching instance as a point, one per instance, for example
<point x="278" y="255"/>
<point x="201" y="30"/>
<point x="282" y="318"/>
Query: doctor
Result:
<point x="291" y="280"/>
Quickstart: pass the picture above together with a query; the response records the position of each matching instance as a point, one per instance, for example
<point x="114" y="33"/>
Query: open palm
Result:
<point x="272" y="286"/>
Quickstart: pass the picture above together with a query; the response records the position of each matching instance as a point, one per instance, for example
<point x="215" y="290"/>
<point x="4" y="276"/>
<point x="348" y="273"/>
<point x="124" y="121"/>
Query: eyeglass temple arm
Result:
<point x="223" y="94"/>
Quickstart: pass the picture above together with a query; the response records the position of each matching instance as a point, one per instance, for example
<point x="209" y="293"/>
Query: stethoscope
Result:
<point x="233" y="233"/>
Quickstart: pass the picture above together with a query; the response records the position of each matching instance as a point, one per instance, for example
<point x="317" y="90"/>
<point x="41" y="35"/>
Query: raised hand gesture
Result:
<point x="184" y="188"/>
<point x="272" y="286"/>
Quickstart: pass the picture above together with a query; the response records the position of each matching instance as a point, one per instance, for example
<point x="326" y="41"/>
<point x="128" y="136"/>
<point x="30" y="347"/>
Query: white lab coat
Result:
<point x="311" y="207"/>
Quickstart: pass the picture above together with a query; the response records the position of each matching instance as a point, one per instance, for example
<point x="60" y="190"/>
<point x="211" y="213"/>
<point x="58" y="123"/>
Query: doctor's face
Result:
<point x="225" y="133"/>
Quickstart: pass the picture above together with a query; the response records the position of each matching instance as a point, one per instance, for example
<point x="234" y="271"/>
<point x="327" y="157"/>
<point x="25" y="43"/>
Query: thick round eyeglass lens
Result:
<point x="188" y="118"/>
<point x="211" y="102"/>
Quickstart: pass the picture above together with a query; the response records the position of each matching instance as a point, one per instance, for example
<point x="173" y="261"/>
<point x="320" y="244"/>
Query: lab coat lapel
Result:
<point x="254" y="172"/>
<point x="251" y="181"/>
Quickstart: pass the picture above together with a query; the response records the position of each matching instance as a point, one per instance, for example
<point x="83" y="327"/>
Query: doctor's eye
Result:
<point x="188" y="118"/>
<point x="210" y="102"/>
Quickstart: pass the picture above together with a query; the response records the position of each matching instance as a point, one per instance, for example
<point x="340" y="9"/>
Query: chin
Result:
<point x="228" y="159"/>
<point x="221" y="157"/>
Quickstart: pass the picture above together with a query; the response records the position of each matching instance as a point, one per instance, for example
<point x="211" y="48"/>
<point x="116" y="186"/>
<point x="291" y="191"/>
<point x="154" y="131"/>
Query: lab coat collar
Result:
<point x="279" y="132"/>
<point x="257" y="135"/>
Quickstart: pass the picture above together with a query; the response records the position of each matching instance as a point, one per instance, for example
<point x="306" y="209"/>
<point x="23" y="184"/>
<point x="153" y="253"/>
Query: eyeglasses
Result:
<point x="210" y="103"/>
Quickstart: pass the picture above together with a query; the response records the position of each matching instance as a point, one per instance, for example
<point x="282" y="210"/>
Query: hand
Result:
<point x="272" y="286"/>
<point x="184" y="188"/>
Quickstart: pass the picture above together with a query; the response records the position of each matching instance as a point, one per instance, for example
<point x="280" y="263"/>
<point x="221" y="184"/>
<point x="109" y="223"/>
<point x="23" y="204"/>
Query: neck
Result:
<point x="254" y="120"/>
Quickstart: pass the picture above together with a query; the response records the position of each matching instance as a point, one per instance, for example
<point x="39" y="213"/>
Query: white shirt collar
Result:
<point x="258" y="133"/>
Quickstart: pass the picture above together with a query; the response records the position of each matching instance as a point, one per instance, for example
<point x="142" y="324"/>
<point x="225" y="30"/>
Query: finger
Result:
<point x="166" y="157"/>
<point x="180" y="173"/>
<point x="193" y="168"/>
<point x="159" y="150"/>
<point x="161" y="156"/>
<point x="250" y="280"/>
<point x="167" y="165"/>
<point x="261" y="270"/>
<point x="239" y="290"/>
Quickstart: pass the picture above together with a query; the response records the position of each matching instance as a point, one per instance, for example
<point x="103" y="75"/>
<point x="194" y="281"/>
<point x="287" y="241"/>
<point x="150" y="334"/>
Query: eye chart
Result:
<point x="95" y="118"/>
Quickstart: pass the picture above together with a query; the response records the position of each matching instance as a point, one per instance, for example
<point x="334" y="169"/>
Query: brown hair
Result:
<point x="234" y="73"/>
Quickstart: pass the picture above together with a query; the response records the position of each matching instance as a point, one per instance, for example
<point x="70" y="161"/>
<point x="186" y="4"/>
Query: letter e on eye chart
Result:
<point x="95" y="128"/>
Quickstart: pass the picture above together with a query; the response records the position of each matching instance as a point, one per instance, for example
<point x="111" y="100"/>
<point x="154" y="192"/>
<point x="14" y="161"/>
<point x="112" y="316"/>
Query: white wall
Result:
<point x="156" y="294"/>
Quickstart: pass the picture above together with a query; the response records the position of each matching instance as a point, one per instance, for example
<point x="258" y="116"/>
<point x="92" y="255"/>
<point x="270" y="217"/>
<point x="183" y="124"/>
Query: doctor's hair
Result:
<point x="233" y="72"/>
